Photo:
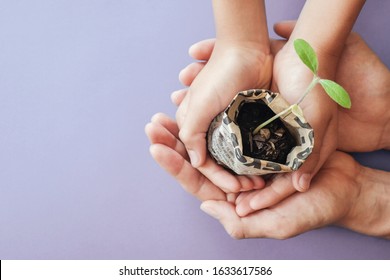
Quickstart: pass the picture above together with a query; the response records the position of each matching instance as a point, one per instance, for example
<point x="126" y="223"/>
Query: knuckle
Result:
<point x="282" y="230"/>
<point x="287" y="234"/>
<point x="185" y="136"/>
<point x="283" y="235"/>
<point x="236" y="234"/>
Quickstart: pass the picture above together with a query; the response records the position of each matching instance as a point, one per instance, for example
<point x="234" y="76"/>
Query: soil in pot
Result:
<point x="273" y="143"/>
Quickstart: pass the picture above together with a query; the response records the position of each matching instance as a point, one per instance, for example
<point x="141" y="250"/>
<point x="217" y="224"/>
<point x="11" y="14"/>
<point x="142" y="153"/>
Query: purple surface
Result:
<point x="78" y="82"/>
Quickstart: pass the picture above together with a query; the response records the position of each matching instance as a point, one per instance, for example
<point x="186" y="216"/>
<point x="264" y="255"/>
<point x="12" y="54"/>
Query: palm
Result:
<point x="368" y="80"/>
<point x="327" y="202"/>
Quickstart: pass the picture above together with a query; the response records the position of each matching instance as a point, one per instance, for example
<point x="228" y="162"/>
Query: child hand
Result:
<point x="230" y="69"/>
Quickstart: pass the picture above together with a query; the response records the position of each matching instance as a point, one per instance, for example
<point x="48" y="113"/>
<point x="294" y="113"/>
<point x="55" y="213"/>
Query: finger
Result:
<point x="301" y="178"/>
<point x="191" y="180"/>
<point x="194" y="121"/>
<point x="249" y="183"/>
<point x="178" y="96"/>
<point x="196" y="149"/>
<point x="242" y="196"/>
<point x="258" y="182"/>
<point x="227" y="181"/>
<point x="189" y="73"/>
<point x="292" y="217"/>
<point x="264" y="223"/>
<point x="224" y="212"/>
<point x="181" y="112"/>
<point x="167" y="122"/>
<point x="193" y="129"/>
<point x="202" y="50"/>
<point x="231" y="197"/>
<point x="274" y="192"/>
<point x="276" y="45"/>
<point x="164" y="130"/>
<point x="243" y="207"/>
<point x="284" y="28"/>
<point x="325" y="127"/>
<point x="158" y="134"/>
<point x="221" y="177"/>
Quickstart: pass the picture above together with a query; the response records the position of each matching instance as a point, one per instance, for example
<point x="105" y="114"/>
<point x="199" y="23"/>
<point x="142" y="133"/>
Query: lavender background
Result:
<point x="78" y="82"/>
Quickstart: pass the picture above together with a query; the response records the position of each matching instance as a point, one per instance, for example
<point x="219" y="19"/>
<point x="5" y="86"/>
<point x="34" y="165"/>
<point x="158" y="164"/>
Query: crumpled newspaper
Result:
<point x="225" y="141"/>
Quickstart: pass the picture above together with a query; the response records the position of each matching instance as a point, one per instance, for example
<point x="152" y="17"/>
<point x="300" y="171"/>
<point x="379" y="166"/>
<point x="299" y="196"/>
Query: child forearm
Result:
<point x="326" y="24"/>
<point x="240" y="21"/>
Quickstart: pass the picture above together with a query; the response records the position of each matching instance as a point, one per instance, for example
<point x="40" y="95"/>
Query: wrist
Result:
<point x="327" y="60"/>
<point x="370" y="211"/>
<point x="385" y="139"/>
<point x="333" y="21"/>
<point x="241" y="22"/>
<point x="229" y="44"/>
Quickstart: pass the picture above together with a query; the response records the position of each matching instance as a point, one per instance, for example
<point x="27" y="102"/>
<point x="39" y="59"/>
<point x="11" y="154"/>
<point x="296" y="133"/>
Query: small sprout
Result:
<point x="297" y="111"/>
<point x="306" y="54"/>
<point x="336" y="92"/>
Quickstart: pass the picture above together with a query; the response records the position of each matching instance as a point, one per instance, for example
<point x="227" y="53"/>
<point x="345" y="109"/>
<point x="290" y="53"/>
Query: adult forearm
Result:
<point x="371" y="211"/>
<point x="241" y="21"/>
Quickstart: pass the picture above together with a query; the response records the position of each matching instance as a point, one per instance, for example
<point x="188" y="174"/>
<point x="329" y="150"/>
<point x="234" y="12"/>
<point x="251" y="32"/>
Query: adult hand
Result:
<point x="364" y="127"/>
<point x="342" y="193"/>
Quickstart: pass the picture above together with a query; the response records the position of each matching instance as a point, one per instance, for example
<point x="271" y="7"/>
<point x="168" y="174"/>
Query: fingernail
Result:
<point x="208" y="210"/>
<point x="194" y="158"/>
<point x="304" y="182"/>
<point x="241" y="210"/>
<point x="174" y="97"/>
<point x="190" y="49"/>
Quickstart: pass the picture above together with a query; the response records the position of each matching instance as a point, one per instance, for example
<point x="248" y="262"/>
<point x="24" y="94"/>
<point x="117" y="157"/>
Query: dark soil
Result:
<point x="273" y="143"/>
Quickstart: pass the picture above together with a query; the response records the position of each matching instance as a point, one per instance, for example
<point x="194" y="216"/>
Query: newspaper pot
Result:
<point x="282" y="146"/>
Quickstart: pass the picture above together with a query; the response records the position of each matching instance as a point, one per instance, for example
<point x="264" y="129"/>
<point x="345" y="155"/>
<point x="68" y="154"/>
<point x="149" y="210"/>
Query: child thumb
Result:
<point x="195" y="144"/>
<point x="301" y="178"/>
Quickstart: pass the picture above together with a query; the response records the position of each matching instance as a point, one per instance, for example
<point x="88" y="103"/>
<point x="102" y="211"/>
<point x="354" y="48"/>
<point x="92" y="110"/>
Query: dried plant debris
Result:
<point x="273" y="142"/>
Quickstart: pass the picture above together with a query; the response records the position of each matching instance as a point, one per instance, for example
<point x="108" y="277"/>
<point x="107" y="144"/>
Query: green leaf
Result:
<point x="337" y="93"/>
<point x="306" y="54"/>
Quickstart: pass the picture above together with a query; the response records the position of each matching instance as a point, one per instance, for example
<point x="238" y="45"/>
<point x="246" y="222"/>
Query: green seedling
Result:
<point x="334" y="90"/>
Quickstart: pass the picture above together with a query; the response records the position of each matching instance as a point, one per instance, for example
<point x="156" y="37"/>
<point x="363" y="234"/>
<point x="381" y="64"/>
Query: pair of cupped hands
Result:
<point x="249" y="206"/>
